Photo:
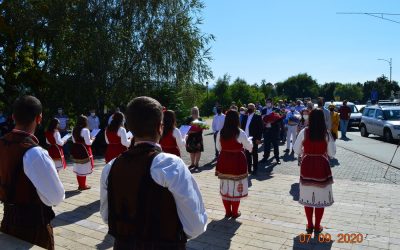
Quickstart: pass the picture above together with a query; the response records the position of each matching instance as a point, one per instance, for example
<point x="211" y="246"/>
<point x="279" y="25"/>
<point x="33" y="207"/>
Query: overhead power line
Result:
<point x="379" y="15"/>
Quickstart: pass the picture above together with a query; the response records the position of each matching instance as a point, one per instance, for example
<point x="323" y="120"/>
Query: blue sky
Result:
<point x="275" y="39"/>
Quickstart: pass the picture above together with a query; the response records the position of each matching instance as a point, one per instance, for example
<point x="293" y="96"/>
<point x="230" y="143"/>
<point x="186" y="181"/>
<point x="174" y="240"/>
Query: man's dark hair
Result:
<point x="268" y="100"/>
<point x="25" y="109"/>
<point x="143" y="116"/>
<point x="320" y="101"/>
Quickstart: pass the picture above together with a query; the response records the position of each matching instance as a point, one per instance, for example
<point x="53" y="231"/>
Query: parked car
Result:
<point x="355" y="116"/>
<point x="382" y="121"/>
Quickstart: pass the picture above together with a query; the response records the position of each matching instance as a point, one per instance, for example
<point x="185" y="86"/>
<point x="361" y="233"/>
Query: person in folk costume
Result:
<point x="171" y="140"/>
<point x="82" y="152"/>
<point x="163" y="206"/>
<point x="116" y="137"/>
<point x="335" y="119"/>
<point x="303" y="120"/>
<point x="232" y="163"/>
<point x="315" y="145"/>
<point x="30" y="185"/>
<point x="194" y="141"/>
<point x="53" y="138"/>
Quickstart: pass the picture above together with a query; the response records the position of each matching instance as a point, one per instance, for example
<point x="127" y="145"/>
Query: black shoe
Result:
<point x="278" y="162"/>
<point x="286" y="150"/>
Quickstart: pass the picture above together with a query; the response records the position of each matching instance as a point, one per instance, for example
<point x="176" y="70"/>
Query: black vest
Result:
<point x="22" y="205"/>
<point x="140" y="210"/>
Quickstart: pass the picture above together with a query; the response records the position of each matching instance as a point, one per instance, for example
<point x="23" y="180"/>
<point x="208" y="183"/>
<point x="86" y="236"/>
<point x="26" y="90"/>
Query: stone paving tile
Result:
<point x="271" y="218"/>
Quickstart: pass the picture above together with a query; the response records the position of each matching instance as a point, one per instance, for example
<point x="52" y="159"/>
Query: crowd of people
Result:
<point x="147" y="162"/>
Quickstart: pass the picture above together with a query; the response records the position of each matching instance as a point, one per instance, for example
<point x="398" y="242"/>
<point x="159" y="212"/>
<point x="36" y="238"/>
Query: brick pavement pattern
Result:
<point x="271" y="218"/>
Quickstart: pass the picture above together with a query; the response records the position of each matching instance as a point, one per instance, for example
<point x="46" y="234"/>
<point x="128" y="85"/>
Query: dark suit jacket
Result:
<point x="255" y="127"/>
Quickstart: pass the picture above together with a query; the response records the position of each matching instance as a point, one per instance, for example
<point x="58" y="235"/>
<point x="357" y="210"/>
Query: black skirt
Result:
<point x="194" y="142"/>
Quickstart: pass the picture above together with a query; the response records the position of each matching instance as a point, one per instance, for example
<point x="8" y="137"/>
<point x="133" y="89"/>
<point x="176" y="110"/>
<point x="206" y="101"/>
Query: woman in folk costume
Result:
<point x="81" y="152"/>
<point x="171" y="139"/>
<point x="315" y="145"/>
<point x="116" y="137"/>
<point x="194" y="141"/>
<point x="53" y="137"/>
<point x="232" y="164"/>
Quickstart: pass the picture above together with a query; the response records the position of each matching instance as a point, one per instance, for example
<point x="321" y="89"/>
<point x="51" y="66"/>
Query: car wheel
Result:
<point x="388" y="135"/>
<point x="363" y="131"/>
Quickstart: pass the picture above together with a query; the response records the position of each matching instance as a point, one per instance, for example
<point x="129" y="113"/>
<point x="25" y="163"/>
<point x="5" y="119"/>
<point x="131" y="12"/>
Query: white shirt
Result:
<point x="110" y="119"/>
<point x="298" y="145"/>
<point x="180" y="141"/>
<point x="93" y="122"/>
<point x="218" y="122"/>
<point x="57" y="136"/>
<point x="170" y="171"/>
<point x="40" y="169"/>
<point x="124" y="137"/>
<point x="85" y="133"/>
<point x="249" y="117"/>
<point x="242" y="138"/>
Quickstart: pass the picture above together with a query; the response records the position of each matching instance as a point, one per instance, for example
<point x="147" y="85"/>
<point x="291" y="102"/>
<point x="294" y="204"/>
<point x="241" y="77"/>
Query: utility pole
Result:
<point x="390" y="67"/>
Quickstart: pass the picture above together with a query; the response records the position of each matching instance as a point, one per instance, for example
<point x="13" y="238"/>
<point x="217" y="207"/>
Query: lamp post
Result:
<point x="207" y="90"/>
<point x="390" y="66"/>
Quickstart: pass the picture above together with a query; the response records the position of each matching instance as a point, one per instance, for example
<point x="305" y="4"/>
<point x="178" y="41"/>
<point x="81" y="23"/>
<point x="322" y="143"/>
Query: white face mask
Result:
<point x="92" y="114"/>
<point x="305" y="117"/>
<point x="242" y="112"/>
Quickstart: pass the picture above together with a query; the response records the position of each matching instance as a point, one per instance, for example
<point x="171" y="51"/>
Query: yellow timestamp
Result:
<point x="350" y="238"/>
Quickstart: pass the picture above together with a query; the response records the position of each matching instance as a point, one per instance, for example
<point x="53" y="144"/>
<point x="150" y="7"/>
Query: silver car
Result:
<point x="355" y="116"/>
<point x="382" y="121"/>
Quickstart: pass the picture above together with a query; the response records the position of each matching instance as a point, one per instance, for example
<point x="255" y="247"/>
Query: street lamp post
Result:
<point x="390" y="66"/>
<point x="207" y="90"/>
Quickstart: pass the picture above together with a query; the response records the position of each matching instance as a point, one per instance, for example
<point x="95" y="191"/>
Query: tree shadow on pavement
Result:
<point x="78" y="214"/>
<point x="219" y="235"/>
<point x="295" y="191"/>
<point x="303" y="242"/>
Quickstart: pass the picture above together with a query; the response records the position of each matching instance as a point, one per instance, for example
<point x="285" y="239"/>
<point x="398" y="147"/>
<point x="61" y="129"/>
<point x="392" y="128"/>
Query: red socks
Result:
<point x="227" y="205"/>
<point x="309" y="214"/>
<point x="319" y="212"/>
<point x="235" y="208"/>
<point x="231" y="207"/>
<point x="81" y="181"/>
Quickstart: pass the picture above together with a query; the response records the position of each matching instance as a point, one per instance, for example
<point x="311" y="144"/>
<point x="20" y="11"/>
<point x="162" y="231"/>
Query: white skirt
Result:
<point x="83" y="169"/>
<point x="233" y="190"/>
<point x="311" y="196"/>
<point x="58" y="164"/>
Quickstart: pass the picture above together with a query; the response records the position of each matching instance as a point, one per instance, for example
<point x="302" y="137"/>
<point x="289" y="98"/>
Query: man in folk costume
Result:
<point x="164" y="206"/>
<point x="29" y="183"/>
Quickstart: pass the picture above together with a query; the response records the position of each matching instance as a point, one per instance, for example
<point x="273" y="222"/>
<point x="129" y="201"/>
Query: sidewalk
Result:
<point x="271" y="217"/>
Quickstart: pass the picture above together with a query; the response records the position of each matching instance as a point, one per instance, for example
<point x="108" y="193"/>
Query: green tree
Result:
<point x="301" y="85"/>
<point x="351" y="92"/>
<point x="222" y="91"/>
<point x="327" y="90"/>
<point x="382" y="85"/>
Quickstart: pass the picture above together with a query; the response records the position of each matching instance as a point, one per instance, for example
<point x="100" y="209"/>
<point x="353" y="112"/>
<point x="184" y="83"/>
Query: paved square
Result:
<point x="365" y="203"/>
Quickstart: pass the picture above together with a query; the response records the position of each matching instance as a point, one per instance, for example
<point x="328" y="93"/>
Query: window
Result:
<point x="371" y="112"/>
<point x="378" y="113"/>
<point x="393" y="115"/>
<point x="365" y="112"/>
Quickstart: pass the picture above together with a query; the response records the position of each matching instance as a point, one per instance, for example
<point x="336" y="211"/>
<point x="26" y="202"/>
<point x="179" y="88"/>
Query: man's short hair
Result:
<point x="268" y="100"/>
<point x="26" y="109"/>
<point x="143" y="116"/>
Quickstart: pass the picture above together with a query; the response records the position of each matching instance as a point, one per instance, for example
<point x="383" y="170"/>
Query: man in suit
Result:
<point x="271" y="131"/>
<point x="252" y="125"/>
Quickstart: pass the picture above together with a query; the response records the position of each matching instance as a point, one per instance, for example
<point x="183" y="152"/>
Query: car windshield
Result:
<point x="392" y="115"/>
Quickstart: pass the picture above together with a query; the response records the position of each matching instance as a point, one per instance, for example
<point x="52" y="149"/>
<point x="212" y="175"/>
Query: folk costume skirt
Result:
<point x="315" y="182"/>
<point x="233" y="190"/>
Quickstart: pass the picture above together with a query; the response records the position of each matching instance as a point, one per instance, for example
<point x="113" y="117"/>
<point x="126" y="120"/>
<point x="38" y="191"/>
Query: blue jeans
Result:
<point x="343" y="127"/>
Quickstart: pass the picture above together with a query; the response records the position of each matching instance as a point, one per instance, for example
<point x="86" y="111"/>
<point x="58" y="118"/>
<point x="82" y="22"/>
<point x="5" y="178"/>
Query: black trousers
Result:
<point x="215" y="143"/>
<point x="252" y="158"/>
<point x="271" y="138"/>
